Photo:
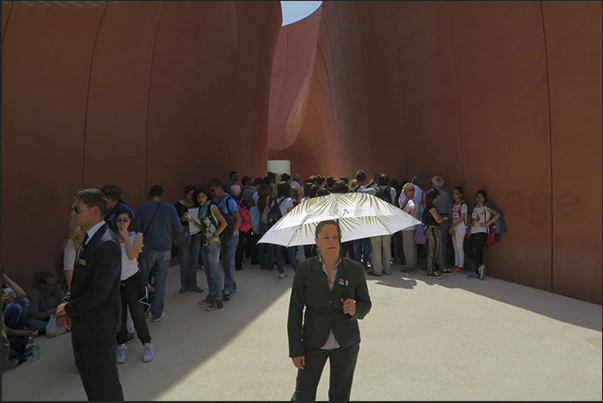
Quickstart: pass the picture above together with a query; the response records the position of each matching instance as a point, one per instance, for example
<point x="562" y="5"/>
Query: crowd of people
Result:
<point x="217" y="226"/>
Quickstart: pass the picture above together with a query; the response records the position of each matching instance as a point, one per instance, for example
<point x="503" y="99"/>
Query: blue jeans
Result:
<point x="156" y="264"/>
<point x="189" y="262"/>
<point x="227" y="258"/>
<point x="274" y="254"/>
<point x="292" y="254"/>
<point x="211" y="265"/>
<point x="362" y="250"/>
<point x="16" y="314"/>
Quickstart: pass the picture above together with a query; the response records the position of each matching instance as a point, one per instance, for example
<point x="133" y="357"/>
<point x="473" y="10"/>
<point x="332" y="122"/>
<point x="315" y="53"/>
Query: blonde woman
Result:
<point x="70" y="248"/>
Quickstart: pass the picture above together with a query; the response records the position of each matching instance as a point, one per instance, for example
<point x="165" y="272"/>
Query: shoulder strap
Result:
<point x="210" y="215"/>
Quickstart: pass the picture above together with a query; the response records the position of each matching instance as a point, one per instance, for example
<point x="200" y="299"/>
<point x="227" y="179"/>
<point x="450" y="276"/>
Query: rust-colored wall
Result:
<point x="501" y="96"/>
<point x="131" y="93"/>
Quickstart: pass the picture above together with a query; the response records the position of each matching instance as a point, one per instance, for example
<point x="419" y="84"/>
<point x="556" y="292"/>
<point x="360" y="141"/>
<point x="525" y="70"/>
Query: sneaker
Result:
<point x="226" y="295"/>
<point x="182" y="290"/>
<point x="282" y="275"/>
<point x="457" y="270"/>
<point x="233" y="291"/>
<point x="122" y="351"/>
<point x="372" y="273"/>
<point x="216" y="305"/>
<point x="205" y="301"/>
<point x="197" y="289"/>
<point x="163" y="315"/>
<point x="435" y="274"/>
<point x="481" y="271"/>
<point x="473" y="276"/>
<point x="148" y="352"/>
<point x="447" y="271"/>
<point x="12" y="363"/>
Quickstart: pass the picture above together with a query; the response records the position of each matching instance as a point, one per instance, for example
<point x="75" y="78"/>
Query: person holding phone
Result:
<point x="332" y="291"/>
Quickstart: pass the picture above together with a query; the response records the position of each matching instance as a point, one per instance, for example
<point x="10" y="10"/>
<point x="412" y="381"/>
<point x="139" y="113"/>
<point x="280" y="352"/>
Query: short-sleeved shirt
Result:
<point x="410" y="204"/>
<point x="479" y="215"/>
<point x="427" y="217"/>
<point x="285" y="204"/>
<point x="457" y="210"/>
<point x="38" y="303"/>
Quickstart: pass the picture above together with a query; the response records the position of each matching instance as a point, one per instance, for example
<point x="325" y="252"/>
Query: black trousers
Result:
<point x="477" y="242"/>
<point x="343" y="364"/>
<point x="95" y="358"/>
<point x="132" y="290"/>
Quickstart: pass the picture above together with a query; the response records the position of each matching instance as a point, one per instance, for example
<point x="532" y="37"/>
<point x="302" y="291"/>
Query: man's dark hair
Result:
<point x="93" y="198"/>
<point x="360" y="175"/>
<point x="431" y="194"/>
<point x="322" y="192"/>
<point x="155" y="191"/>
<point x="345" y="179"/>
<point x="214" y="183"/>
<point x="283" y="189"/>
<point x="285" y="177"/>
<point x="112" y="192"/>
<point x="340" y="187"/>
<point x="383" y="179"/>
<point x="231" y="173"/>
<point x="257" y="181"/>
<point x="330" y="181"/>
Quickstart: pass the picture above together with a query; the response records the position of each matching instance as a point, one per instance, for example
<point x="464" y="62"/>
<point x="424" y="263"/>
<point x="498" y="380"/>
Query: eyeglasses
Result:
<point x="78" y="209"/>
<point x="122" y="220"/>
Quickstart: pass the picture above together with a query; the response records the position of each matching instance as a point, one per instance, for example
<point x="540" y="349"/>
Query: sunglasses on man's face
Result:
<point x="78" y="209"/>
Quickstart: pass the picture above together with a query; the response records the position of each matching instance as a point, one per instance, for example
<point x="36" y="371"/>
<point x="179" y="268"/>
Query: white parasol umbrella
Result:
<point x="360" y="215"/>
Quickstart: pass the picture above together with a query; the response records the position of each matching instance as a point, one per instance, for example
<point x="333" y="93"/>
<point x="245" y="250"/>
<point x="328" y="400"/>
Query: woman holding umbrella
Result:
<point x="334" y="293"/>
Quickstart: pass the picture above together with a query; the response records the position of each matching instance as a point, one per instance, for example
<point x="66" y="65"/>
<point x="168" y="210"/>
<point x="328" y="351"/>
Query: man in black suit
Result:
<point x="94" y="310"/>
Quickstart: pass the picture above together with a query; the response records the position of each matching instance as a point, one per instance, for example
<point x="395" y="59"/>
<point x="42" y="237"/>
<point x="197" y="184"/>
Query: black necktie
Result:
<point x="84" y="241"/>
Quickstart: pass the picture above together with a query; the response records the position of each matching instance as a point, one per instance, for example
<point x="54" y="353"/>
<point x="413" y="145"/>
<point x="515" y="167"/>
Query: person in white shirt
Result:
<point x="295" y="182"/>
<point x="458" y="229"/>
<point x="409" y="206"/>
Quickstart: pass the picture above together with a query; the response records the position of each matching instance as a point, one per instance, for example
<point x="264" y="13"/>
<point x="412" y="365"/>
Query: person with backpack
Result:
<point x="458" y="229"/>
<point x="264" y="198"/>
<point x="482" y="217"/>
<point x="362" y="247"/>
<point x="381" y="258"/>
<point x="244" y="230"/>
<point x="229" y="238"/>
<point x="278" y="208"/>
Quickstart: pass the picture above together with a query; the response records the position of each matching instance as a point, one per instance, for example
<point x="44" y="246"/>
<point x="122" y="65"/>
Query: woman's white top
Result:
<point x="479" y="215"/>
<point x="128" y="267"/>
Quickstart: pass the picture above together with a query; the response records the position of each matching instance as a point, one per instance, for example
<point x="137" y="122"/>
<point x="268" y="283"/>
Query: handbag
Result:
<point x="491" y="236"/>
<point x="51" y="327"/>
<point x="420" y="237"/>
<point x="182" y="239"/>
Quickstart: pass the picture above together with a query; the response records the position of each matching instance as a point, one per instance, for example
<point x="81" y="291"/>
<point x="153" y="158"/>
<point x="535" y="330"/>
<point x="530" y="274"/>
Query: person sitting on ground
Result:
<point x="44" y="301"/>
<point x="15" y="305"/>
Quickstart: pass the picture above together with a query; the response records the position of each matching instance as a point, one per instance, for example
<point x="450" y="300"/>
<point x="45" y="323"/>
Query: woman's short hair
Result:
<point x="321" y="224"/>
<point x="431" y="194"/>
<point x="408" y="186"/>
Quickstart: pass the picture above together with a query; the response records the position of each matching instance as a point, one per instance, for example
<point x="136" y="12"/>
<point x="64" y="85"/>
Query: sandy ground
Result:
<point x="424" y="339"/>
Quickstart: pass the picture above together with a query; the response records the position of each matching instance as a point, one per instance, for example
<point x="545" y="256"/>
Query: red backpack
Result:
<point x="246" y="218"/>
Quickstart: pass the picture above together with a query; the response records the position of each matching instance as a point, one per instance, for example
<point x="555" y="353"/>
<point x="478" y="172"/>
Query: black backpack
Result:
<point x="274" y="214"/>
<point x="228" y="232"/>
<point x="385" y="194"/>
